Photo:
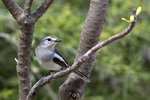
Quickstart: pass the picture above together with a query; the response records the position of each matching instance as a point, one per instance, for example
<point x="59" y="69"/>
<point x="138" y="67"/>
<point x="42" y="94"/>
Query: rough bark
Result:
<point x="23" y="65"/>
<point x="73" y="87"/>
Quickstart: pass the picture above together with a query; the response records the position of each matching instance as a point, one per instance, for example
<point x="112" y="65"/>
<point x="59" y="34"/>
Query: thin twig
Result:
<point x="16" y="60"/>
<point x="41" y="9"/>
<point x="13" y="7"/>
<point x="80" y="60"/>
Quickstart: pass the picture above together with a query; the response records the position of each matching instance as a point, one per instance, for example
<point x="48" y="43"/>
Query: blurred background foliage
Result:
<point x="121" y="70"/>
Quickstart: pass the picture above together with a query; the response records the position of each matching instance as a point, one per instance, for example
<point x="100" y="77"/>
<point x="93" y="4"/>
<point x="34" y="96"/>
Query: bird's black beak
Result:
<point x="58" y="40"/>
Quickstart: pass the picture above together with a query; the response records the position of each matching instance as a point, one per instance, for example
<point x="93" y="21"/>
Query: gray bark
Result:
<point x="23" y="65"/>
<point x="73" y="87"/>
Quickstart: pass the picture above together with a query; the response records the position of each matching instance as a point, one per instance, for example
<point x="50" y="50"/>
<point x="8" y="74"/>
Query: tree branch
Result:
<point x="81" y="59"/>
<point x="27" y="7"/>
<point x="13" y="7"/>
<point x="41" y="9"/>
<point x="114" y="37"/>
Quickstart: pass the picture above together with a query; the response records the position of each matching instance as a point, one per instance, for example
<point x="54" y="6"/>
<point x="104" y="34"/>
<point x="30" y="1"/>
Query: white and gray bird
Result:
<point x="49" y="58"/>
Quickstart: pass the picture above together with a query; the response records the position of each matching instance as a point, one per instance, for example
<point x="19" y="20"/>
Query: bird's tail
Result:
<point x="82" y="76"/>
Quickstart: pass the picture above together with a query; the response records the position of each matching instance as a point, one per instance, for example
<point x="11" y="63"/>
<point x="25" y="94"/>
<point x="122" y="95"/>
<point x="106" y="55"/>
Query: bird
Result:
<point x="49" y="58"/>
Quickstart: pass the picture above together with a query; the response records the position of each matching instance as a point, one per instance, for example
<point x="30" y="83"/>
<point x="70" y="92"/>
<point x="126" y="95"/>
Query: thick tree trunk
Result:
<point x="24" y="60"/>
<point x="73" y="87"/>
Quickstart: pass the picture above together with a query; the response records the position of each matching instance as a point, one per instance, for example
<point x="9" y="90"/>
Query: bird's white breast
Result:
<point x="45" y="59"/>
<point x="50" y="65"/>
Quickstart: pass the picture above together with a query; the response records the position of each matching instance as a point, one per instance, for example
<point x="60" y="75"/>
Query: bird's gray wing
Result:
<point x="58" y="59"/>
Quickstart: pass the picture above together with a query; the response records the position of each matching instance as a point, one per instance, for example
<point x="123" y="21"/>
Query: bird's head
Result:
<point x="49" y="42"/>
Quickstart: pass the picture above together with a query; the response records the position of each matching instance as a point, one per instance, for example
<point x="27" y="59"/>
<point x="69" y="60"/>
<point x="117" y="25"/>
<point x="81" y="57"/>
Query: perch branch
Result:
<point x="114" y="37"/>
<point x="81" y="59"/>
<point x="13" y="8"/>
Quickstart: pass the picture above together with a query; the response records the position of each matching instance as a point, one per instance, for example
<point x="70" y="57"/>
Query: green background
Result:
<point x="121" y="70"/>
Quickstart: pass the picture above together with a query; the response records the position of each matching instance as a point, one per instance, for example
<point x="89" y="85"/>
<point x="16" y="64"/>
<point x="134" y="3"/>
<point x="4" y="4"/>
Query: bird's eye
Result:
<point x="49" y="39"/>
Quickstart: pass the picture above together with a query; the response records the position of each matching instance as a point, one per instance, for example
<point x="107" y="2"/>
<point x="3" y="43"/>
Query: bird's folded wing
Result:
<point x="58" y="59"/>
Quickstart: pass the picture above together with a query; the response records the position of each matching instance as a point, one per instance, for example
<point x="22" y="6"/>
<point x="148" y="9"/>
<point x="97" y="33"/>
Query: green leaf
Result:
<point x="126" y="20"/>
<point x="139" y="9"/>
<point x="131" y="18"/>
